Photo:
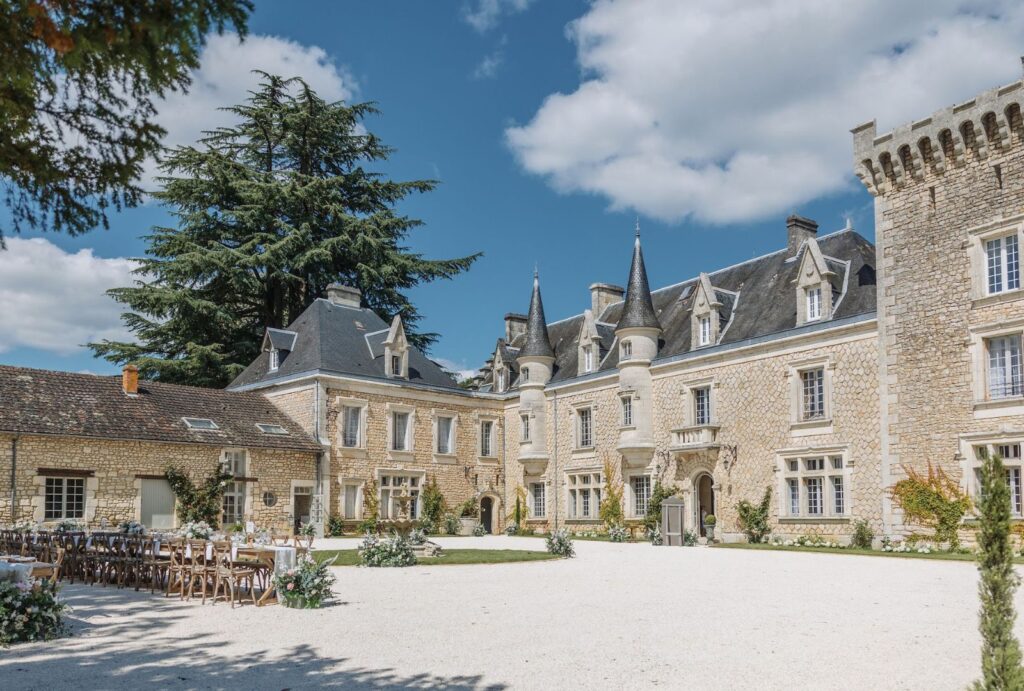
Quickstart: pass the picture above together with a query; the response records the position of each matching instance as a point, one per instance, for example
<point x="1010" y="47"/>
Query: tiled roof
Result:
<point x="85" y="405"/>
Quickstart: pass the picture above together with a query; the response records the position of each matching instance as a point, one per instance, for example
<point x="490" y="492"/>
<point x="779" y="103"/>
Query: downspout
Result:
<point x="14" y="474"/>
<point x="504" y="467"/>
<point x="319" y="518"/>
<point x="555" y="459"/>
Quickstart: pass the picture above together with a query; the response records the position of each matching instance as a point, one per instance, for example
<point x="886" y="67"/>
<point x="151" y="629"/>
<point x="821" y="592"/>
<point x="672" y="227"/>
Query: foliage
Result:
<point x="417" y="536"/>
<point x="307" y="529"/>
<point x="610" y="510"/>
<point x="934" y="501"/>
<point x="428" y="526"/>
<point x="131" y="528"/>
<point x="618" y="533"/>
<point x="863" y="536"/>
<point x="512" y="529"/>
<point x="306" y="585"/>
<point x="29" y="613"/>
<point x="479" y="530"/>
<point x="754" y="519"/>
<point x="452" y="526"/>
<point x="371" y="508"/>
<point x="270" y="211"/>
<point x="202" y="503"/>
<point x="196" y="530"/>
<point x="469" y="509"/>
<point x="689" y="538"/>
<point x="77" y="107"/>
<point x="389" y="551"/>
<point x="434" y="505"/>
<point x="25" y="525"/>
<point x="1000" y="651"/>
<point x="335" y="525"/>
<point x="659" y="494"/>
<point x="654" y="535"/>
<point x="519" y="514"/>
<point x="68" y="525"/>
<point x="560" y="543"/>
<point x="710" y="520"/>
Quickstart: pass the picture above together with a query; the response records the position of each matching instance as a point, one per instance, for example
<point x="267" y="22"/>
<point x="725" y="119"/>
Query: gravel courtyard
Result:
<point x="616" y="616"/>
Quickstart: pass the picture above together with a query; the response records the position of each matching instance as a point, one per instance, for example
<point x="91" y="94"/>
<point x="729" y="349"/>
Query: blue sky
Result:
<point x="550" y="136"/>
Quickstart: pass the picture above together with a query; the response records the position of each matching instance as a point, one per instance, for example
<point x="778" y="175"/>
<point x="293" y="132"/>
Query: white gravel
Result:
<point x="616" y="616"/>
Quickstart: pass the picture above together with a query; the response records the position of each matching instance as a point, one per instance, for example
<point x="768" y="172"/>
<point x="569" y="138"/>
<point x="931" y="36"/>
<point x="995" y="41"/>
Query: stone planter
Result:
<point x="709" y="530"/>
<point x="467" y="525"/>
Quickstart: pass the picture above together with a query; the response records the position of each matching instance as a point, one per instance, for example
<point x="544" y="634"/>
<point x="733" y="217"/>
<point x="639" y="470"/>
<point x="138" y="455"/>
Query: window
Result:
<point x="627" y="350"/>
<point x="444" y="434"/>
<point x="705" y="331"/>
<point x="524" y="425"/>
<point x="627" y="411"/>
<point x="200" y="423"/>
<point x="393" y="485"/>
<point x="1002" y="264"/>
<point x="396" y="365"/>
<point x="271" y="429"/>
<point x="234" y="462"/>
<point x="501" y="381"/>
<point x="524" y="374"/>
<point x="64" y="498"/>
<point x="584" y="428"/>
<point x="399" y="431"/>
<point x="584" y="494"/>
<point x="813" y="304"/>
<point x="702" y="406"/>
<point x="275" y="359"/>
<point x="351" y="500"/>
<point x="1011" y="455"/>
<point x="538" y="500"/>
<point x="641" y="488"/>
<point x="1004" y="372"/>
<point x="813" y="399"/>
<point x="351" y="425"/>
<point x="815" y="487"/>
<point x="486" y="433"/>
<point x="588" y="359"/>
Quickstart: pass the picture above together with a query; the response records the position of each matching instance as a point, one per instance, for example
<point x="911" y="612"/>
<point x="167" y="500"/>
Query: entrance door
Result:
<point x="157" y="511"/>
<point x="302" y="507"/>
<point x="486" y="509"/>
<point x="705" y="491"/>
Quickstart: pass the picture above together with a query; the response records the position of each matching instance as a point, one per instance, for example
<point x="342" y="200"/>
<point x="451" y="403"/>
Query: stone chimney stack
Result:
<point x="799" y="229"/>
<point x="515" y="325"/>
<point x="602" y="295"/>
<point x="130" y="380"/>
<point x="344" y="295"/>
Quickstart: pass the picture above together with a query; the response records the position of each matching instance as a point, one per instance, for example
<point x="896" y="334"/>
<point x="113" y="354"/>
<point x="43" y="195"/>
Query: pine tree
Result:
<point x="1000" y="652"/>
<point x="270" y="211"/>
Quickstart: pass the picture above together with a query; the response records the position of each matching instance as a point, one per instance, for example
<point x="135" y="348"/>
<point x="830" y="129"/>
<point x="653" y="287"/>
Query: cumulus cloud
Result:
<point x="484" y="15"/>
<point x="460" y="369"/>
<point x="55" y="300"/>
<point x="492" y="62"/>
<point x="226" y="77"/>
<point x="728" y="111"/>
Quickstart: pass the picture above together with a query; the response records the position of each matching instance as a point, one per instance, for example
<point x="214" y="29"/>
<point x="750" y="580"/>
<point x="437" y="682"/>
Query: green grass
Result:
<point x="941" y="556"/>
<point x="350" y="557"/>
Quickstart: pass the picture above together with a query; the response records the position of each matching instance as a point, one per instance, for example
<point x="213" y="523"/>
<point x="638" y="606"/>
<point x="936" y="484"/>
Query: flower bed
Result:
<point x="29" y="613"/>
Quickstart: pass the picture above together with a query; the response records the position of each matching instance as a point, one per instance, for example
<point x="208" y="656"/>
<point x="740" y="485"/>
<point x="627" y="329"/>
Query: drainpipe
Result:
<point x="555" y="458"/>
<point x="14" y="485"/>
<point x="319" y="475"/>
<point x="504" y="466"/>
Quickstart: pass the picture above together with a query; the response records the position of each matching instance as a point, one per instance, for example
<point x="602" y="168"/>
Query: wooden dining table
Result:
<point x="265" y="555"/>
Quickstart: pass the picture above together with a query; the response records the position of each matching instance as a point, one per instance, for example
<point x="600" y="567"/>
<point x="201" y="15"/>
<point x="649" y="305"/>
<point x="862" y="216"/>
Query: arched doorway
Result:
<point x="487" y="513"/>
<point x="704" y="491"/>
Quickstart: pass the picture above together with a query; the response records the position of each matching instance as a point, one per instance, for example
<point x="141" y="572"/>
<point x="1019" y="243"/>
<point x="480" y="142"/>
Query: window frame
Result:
<point x="1011" y="370"/>
<point x="410" y="427"/>
<point x="800" y="423"/>
<point x="583" y="499"/>
<point x="627" y="413"/>
<point x="416" y="489"/>
<point x="525" y="433"/>
<point x="813" y="304"/>
<point x="704" y="329"/>
<point x="1013" y="463"/>
<point x="534" y="499"/>
<point x="626" y="350"/>
<point x="275" y="360"/>
<point x="634" y="504"/>
<point x="488" y="436"/>
<point x="585" y="427"/>
<point x="64" y="514"/>
<point x="452" y="438"/>
<point x="815" y="475"/>
<point x="979" y="238"/>
<point x="235" y="490"/>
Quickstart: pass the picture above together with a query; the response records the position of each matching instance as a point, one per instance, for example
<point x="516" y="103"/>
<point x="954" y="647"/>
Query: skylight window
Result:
<point x="200" y="423"/>
<point x="271" y="429"/>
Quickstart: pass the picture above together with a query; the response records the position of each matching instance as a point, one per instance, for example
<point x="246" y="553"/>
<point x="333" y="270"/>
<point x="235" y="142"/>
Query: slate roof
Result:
<point x="340" y="340"/>
<point x="86" y="405"/>
<point x="638" y="310"/>
<point x="538" y="343"/>
<point x="758" y="300"/>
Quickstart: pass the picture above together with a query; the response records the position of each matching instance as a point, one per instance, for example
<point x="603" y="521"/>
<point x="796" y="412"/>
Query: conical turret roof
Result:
<point x="638" y="311"/>
<point x="538" y="343"/>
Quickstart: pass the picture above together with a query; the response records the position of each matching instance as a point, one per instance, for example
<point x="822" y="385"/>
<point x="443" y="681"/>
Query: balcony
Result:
<point x="695" y="438"/>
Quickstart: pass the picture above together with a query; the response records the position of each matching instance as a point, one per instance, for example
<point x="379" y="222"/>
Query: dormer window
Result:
<point x="588" y="359"/>
<point x="705" y="331"/>
<point x="396" y="350"/>
<point x="500" y="381"/>
<point x="813" y="304"/>
<point x="275" y="359"/>
<point x="627" y="350"/>
<point x="524" y="374"/>
<point x="396" y="365"/>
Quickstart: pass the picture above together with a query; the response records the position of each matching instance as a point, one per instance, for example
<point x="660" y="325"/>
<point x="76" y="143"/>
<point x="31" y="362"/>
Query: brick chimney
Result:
<point x="340" y="294"/>
<point x="799" y="229"/>
<point x="602" y="295"/>
<point x="515" y="324"/>
<point x="130" y="380"/>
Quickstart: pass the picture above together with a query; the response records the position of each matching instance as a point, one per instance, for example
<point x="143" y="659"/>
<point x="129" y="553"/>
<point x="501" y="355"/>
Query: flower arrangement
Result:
<point x="388" y="551"/>
<point x="417" y="536"/>
<point x="29" y="613"/>
<point x="618" y="533"/>
<point x="479" y="530"/>
<point x="131" y="528"/>
<point x="196" y="530"/>
<point x="262" y="538"/>
<point x="307" y="529"/>
<point x="512" y="529"/>
<point x="560" y="543"/>
<point x="654" y="535"/>
<point x="306" y="585"/>
<point x="67" y="526"/>
<point x="25" y="525"/>
<point x="689" y="538"/>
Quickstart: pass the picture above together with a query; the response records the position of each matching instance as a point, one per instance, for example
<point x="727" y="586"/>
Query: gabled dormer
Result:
<point x="706" y="321"/>
<point x="813" y="285"/>
<point x="278" y="344"/>
<point x="396" y="350"/>
<point x="589" y="348"/>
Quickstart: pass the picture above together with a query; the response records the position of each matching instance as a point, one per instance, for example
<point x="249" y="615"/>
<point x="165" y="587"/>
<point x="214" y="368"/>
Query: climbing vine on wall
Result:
<point x="611" y="504"/>
<point x="202" y="503"/>
<point x="934" y="500"/>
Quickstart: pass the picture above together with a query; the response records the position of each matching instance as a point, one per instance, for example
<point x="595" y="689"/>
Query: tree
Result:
<point x="76" y="99"/>
<point x="652" y="518"/>
<point x="610" y="509"/>
<point x="1000" y="651"/>
<point x="270" y="212"/>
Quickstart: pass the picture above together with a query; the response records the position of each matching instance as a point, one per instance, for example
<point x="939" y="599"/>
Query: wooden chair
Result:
<point x="58" y="563"/>
<point x="231" y="575"/>
<point x="176" y="568"/>
<point x="303" y="542"/>
<point x="199" y="570"/>
<point x="154" y="565"/>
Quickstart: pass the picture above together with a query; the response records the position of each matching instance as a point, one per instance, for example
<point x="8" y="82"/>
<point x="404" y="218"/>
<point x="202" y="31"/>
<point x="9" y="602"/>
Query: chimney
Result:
<point x="799" y="229"/>
<point x="602" y="295"/>
<point x="515" y="325"/>
<point x="130" y="380"/>
<point x="340" y="294"/>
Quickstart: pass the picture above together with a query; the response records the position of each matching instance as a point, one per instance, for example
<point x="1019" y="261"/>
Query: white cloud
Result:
<point x="484" y="15"/>
<point x="728" y="111"/>
<point x="488" y="67"/>
<point x="55" y="300"/>
<point x="460" y="369"/>
<point x="226" y="76"/>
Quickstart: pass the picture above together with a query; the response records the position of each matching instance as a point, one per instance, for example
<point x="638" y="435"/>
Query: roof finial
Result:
<point x="849" y="223"/>
<point x="638" y="225"/>
<point x="536" y="274"/>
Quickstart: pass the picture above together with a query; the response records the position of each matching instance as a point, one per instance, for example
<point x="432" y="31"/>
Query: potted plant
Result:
<point x="306" y="585"/>
<point x="709" y="526"/>
<point x="468" y="514"/>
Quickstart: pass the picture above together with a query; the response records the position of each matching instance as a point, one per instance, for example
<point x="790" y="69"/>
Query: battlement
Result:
<point x="975" y="128"/>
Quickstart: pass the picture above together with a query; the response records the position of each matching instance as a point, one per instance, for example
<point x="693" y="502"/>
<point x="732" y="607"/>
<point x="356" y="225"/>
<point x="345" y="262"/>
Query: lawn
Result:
<point x="350" y="557"/>
<point x="942" y="556"/>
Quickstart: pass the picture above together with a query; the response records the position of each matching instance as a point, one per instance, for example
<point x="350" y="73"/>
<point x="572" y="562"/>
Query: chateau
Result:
<point x="821" y="371"/>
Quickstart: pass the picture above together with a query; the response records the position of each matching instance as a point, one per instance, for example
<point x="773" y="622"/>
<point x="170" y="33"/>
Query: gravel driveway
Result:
<point x="616" y="616"/>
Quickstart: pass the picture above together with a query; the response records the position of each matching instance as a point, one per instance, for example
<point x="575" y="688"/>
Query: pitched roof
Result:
<point x="638" y="309"/>
<point x="86" y="405"/>
<point x="339" y="339"/>
<point x="538" y="343"/>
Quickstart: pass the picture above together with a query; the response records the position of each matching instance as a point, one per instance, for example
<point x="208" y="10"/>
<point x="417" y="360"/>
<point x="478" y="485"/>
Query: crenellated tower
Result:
<point x="535" y="361"/>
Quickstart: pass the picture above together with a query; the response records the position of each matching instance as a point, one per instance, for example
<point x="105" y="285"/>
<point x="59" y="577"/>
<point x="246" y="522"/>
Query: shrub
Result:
<point x="369" y="526"/>
<point x="417" y="536"/>
<point x="1000" y="650"/>
<point x="560" y="543"/>
<point x="659" y="494"/>
<point x="428" y="526"/>
<point x="335" y="525"/>
<point x="618" y="533"/>
<point x="306" y="585"/>
<point x="519" y="514"/>
<point x="202" y="503"/>
<point x="512" y="529"/>
<point x="307" y="529"/>
<point x="469" y="509"/>
<point x="610" y="510"/>
<point x="654" y="535"/>
<point x="434" y="504"/>
<point x="388" y="551"/>
<point x="934" y="501"/>
<point x="689" y="538"/>
<point x="710" y="520"/>
<point x="452" y="526"/>
<point x="479" y="530"/>
<point x="754" y="519"/>
<point x="862" y="535"/>
<point x="29" y="614"/>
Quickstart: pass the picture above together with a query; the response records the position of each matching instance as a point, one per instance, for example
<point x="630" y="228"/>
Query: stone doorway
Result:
<point x="704" y="491"/>
<point x="487" y="514"/>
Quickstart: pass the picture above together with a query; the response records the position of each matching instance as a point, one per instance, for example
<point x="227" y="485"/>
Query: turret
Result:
<point x="536" y="359"/>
